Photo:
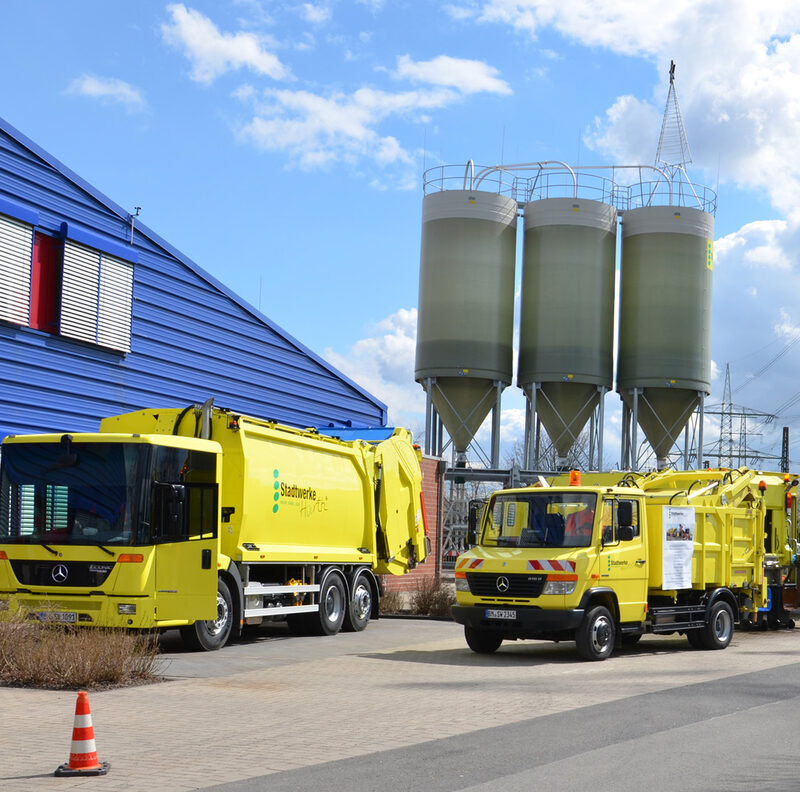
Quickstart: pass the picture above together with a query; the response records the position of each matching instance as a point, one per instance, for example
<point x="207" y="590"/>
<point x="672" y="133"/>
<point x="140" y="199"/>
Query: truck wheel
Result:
<point x="695" y="638"/>
<point x="595" y="636"/>
<point x="332" y="606"/>
<point x="482" y="641"/>
<point x="209" y="635"/>
<point x="359" y="606"/>
<point x="718" y="631"/>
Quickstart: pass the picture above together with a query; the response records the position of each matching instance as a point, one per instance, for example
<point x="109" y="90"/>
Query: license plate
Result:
<point x="501" y="614"/>
<point x="67" y="617"/>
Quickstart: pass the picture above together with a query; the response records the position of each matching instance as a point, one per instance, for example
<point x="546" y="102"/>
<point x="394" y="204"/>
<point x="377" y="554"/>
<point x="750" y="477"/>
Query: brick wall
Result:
<point x="432" y="483"/>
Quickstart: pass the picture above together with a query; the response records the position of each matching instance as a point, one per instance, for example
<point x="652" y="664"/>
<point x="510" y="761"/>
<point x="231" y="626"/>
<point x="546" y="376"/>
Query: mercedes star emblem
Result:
<point x="502" y="584"/>
<point x="60" y="573"/>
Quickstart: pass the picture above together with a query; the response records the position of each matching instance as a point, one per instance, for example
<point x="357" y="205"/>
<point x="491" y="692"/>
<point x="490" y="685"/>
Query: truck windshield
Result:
<point x="78" y="493"/>
<point x="541" y="519"/>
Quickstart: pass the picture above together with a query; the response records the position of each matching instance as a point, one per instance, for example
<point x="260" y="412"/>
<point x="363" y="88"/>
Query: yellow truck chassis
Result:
<point x="602" y="564"/>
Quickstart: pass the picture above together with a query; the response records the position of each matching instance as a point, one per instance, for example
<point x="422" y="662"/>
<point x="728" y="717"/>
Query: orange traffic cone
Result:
<point x="83" y="754"/>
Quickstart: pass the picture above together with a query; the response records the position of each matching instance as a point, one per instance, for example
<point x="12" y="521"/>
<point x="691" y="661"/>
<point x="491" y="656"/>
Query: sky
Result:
<point x="281" y="146"/>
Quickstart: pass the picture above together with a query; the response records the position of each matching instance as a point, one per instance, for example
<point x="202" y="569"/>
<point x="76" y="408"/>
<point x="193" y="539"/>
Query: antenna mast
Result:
<point x="673" y="154"/>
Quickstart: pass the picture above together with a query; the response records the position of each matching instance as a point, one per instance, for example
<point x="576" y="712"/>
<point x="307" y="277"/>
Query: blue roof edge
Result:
<point x="141" y="228"/>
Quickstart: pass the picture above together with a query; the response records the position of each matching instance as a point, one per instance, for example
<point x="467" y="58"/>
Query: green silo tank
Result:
<point x="665" y="317"/>
<point x="567" y="311"/>
<point x="466" y="304"/>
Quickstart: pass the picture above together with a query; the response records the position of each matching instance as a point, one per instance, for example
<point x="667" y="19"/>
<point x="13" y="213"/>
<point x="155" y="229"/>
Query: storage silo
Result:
<point x="567" y="314"/>
<point x="664" y="360"/>
<point x="466" y="306"/>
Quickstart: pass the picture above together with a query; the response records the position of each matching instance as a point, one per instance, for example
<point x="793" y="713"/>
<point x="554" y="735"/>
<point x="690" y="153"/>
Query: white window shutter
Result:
<point x="16" y="249"/>
<point x="115" y="303"/>
<point x="79" y="291"/>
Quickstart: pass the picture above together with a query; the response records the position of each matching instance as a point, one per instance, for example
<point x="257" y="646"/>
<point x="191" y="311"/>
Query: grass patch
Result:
<point x="392" y="602"/>
<point x="432" y="598"/>
<point x="56" y="656"/>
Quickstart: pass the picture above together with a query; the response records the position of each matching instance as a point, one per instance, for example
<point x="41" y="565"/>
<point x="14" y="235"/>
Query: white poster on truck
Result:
<point x="678" y="547"/>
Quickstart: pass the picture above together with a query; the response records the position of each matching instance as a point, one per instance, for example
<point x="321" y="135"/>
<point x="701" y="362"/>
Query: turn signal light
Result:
<point x="130" y="558"/>
<point x="3" y="555"/>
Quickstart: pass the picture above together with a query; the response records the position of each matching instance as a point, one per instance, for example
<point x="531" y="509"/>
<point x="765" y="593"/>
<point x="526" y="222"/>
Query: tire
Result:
<point x="596" y="634"/>
<point x="695" y="638"/>
<point x="718" y="631"/>
<point x="210" y="635"/>
<point x="482" y="641"/>
<point x="359" y="605"/>
<point x="332" y="606"/>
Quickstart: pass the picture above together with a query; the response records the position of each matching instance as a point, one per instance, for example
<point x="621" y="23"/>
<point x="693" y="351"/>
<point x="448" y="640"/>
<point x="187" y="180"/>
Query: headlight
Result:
<point x="462" y="584"/>
<point x="559" y="587"/>
<point x="126" y="609"/>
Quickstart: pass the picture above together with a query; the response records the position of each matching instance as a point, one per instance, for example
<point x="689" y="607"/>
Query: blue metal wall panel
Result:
<point x="191" y="337"/>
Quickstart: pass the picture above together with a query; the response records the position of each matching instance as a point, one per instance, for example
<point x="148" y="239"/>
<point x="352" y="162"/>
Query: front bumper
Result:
<point x="83" y="610"/>
<point x="528" y="622"/>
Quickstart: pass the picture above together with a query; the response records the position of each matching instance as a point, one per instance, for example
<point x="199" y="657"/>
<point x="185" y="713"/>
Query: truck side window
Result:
<point x="184" y="500"/>
<point x="610" y="523"/>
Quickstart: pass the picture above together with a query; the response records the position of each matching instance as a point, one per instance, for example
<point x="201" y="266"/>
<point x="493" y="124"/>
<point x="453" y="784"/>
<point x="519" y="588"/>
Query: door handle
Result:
<point x="205" y="556"/>
<point x="640" y="562"/>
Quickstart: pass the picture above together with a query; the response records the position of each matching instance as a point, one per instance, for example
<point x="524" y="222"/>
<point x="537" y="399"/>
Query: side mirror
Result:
<point x="624" y="514"/>
<point x="625" y="533"/>
<point x="474" y="514"/>
<point x="169" y="502"/>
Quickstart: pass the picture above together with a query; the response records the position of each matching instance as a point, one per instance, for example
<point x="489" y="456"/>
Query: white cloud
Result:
<point x="627" y="132"/>
<point x="761" y="259"/>
<point x="467" y="76"/>
<point x="315" y="14"/>
<point x="109" y="89"/>
<point x="383" y="364"/>
<point x="212" y="52"/>
<point x="372" y="5"/>
<point x="739" y="99"/>
<point x="318" y="131"/>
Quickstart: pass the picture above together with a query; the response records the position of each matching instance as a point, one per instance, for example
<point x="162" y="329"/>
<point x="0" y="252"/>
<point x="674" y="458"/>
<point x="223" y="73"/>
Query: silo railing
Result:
<point x="460" y="177"/>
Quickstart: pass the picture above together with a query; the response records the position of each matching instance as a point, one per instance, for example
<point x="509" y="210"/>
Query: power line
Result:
<point x="769" y="364"/>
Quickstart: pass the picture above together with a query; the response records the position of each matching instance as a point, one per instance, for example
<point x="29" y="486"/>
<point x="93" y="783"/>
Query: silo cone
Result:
<point x="665" y="318"/>
<point x="466" y="305"/>
<point x="567" y="312"/>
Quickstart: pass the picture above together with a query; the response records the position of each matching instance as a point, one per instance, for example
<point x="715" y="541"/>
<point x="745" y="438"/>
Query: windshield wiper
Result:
<point x="104" y="549"/>
<point x="47" y="547"/>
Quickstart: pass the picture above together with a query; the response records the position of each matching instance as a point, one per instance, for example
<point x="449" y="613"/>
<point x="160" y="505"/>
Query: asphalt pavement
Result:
<point x="406" y="706"/>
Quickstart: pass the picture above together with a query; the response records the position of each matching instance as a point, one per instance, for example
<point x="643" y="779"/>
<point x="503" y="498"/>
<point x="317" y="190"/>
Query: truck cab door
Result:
<point x="623" y="560"/>
<point x="184" y="524"/>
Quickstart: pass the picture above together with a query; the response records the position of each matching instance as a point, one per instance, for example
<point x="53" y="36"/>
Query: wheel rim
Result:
<point x="362" y="601"/>
<point x="723" y="625"/>
<point x="223" y="614"/>
<point x="600" y="635"/>
<point x="333" y="604"/>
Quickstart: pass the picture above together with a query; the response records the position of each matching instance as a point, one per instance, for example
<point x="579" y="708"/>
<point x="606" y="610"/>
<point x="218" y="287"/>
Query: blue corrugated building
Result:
<point x="99" y="315"/>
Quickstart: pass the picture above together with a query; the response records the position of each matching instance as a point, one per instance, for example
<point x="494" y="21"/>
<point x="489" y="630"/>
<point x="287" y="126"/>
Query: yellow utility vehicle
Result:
<point x="692" y="552"/>
<point x="206" y="520"/>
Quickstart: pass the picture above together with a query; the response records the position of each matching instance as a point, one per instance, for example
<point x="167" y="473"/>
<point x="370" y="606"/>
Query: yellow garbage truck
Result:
<point x="208" y="521"/>
<point x="607" y="560"/>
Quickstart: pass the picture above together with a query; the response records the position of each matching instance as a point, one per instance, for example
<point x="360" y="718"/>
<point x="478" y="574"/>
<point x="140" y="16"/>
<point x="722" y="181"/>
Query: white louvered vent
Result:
<point x="116" y="293"/>
<point x="16" y="245"/>
<point x="79" y="292"/>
